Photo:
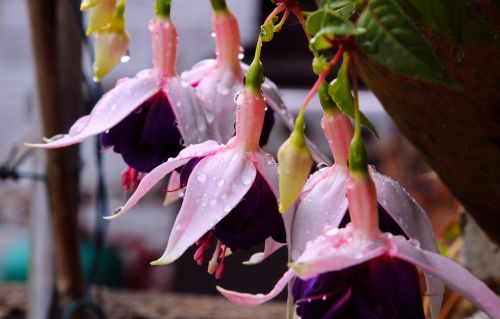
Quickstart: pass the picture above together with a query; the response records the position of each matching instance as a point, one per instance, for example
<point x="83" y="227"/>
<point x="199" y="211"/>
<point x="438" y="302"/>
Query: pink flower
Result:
<point x="343" y="269"/>
<point x="230" y="190"/>
<point x="148" y="117"/>
<point x="218" y="80"/>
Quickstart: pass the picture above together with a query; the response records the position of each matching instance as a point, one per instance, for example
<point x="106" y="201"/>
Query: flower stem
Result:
<point x="354" y="78"/>
<point x="162" y="9"/>
<point x="218" y="5"/>
<point x="322" y="78"/>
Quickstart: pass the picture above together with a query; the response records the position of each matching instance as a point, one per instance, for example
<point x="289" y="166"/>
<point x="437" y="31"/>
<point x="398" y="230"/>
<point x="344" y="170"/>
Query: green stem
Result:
<point x="354" y="78"/>
<point x="255" y="74"/>
<point x="218" y="5"/>
<point x="162" y="9"/>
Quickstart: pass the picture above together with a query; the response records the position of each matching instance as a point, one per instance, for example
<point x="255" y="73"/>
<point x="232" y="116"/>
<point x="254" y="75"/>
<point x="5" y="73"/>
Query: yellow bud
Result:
<point x="295" y="161"/>
<point x="110" y="47"/>
<point x="100" y="16"/>
<point x="87" y="4"/>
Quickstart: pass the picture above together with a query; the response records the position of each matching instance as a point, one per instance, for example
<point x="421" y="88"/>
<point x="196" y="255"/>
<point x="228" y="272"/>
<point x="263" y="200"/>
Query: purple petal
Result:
<point x="113" y="107"/>
<point x="449" y="272"/>
<point x="216" y="185"/>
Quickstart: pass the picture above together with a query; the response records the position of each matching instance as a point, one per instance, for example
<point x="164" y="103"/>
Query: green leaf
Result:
<point x="469" y="27"/>
<point x="392" y="40"/>
<point x="340" y="91"/>
<point x="332" y="25"/>
<point x="314" y="21"/>
<point x="432" y="13"/>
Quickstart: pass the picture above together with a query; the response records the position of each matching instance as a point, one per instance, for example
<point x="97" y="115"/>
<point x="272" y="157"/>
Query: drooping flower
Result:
<point x="147" y="118"/>
<point x="359" y="272"/>
<point x="230" y="190"/>
<point x="218" y="80"/>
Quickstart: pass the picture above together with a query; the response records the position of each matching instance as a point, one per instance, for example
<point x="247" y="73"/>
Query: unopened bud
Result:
<point x="110" y="47"/>
<point x="100" y="16"/>
<point x="87" y="4"/>
<point x="295" y="161"/>
<point x="111" y="43"/>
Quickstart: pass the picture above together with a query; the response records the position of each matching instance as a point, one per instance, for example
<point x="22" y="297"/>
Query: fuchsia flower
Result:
<point x="147" y="118"/>
<point x="358" y="271"/>
<point x="230" y="190"/>
<point x="218" y="80"/>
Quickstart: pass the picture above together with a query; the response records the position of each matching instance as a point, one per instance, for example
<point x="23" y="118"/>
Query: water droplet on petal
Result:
<point x="126" y="57"/>
<point x="119" y="209"/>
<point x="246" y="180"/>
<point x="323" y="298"/>
<point x="213" y="34"/>
<point x="241" y="53"/>
<point x="321" y="166"/>
<point x="227" y="208"/>
<point x="201" y="177"/>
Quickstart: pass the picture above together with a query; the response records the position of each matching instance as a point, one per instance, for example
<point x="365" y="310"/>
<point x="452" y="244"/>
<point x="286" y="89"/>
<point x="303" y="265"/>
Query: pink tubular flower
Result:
<point x="230" y="190"/>
<point x="360" y="272"/>
<point x="146" y="118"/>
<point x="218" y="80"/>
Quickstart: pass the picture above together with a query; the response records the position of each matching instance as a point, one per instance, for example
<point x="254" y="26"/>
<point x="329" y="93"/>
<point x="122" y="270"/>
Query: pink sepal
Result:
<point x="449" y="272"/>
<point x="113" y="107"/>
<point x="250" y="300"/>
<point x="324" y="205"/>
<point x="216" y="185"/>
<point x="152" y="178"/>
<point x="270" y="247"/>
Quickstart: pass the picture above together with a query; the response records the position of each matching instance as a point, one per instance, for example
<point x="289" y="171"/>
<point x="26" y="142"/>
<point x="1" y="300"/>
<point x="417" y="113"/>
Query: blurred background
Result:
<point x="140" y="236"/>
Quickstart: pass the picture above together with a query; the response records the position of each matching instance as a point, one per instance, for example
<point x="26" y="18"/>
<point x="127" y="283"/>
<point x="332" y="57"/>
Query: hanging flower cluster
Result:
<point x="356" y="240"/>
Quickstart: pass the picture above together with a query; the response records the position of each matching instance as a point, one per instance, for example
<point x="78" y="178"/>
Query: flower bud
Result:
<point x="111" y="43"/>
<point x="295" y="161"/>
<point x="110" y="47"/>
<point x="87" y="4"/>
<point x="100" y="16"/>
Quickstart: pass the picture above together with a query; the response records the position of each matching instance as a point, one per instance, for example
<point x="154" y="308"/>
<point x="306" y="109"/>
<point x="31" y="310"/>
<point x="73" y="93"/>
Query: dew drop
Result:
<point x="321" y="166"/>
<point x="181" y="142"/>
<point x="213" y="34"/>
<point x="119" y="209"/>
<point x="57" y="137"/>
<point x="323" y="298"/>
<point x="212" y="202"/>
<point x="126" y="57"/>
<point x="220" y="182"/>
<point x="246" y="180"/>
<point x="241" y="53"/>
<point x="201" y="177"/>
<point x="227" y="208"/>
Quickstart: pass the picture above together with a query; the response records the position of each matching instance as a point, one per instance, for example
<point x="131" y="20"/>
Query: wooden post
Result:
<point x="56" y="43"/>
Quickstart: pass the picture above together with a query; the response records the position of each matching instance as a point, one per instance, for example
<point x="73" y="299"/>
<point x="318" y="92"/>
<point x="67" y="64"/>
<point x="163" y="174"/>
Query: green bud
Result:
<point x="87" y="4"/>
<point x="325" y="99"/>
<point x="267" y="32"/>
<point x="320" y="64"/>
<point x="255" y="76"/>
<point x="295" y="161"/>
<point x="100" y="16"/>
<point x="358" y="162"/>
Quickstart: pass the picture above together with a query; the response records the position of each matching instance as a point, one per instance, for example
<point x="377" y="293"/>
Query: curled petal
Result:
<point x="198" y="71"/>
<point x="414" y="222"/>
<point x="217" y="91"/>
<point x="268" y="168"/>
<point x="335" y="250"/>
<point x="323" y="206"/>
<point x="152" y="178"/>
<point x="216" y="185"/>
<point x="449" y="272"/>
<point x="270" y="246"/>
<point x="191" y="120"/>
<point x="113" y="107"/>
<point x="250" y="300"/>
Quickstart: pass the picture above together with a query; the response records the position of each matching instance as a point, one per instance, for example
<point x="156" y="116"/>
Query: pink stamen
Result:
<point x="220" y="269"/>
